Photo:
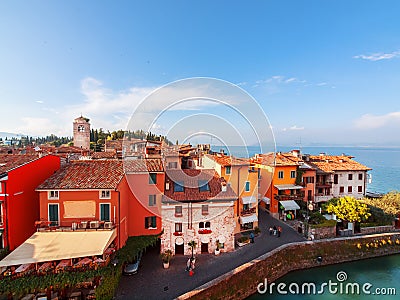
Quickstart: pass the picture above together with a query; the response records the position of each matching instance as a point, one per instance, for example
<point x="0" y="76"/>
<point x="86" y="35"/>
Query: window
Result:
<point x="178" y="227"/>
<point x="203" y="186"/>
<point x="349" y="189"/>
<point x="228" y="170"/>
<point x="152" y="200"/>
<point x="360" y="176"/>
<point x="81" y="128"/>
<point x="53" y="214"/>
<point x="178" y="211"/>
<point x="1" y="189"/>
<point x="105" y="212"/>
<point x="292" y="174"/>
<point x="172" y="165"/>
<point x="246" y="206"/>
<point x="152" y="178"/>
<point x="350" y="176"/>
<point x="360" y="188"/>
<point x="53" y="195"/>
<point x="309" y="179"/>
<point x="247" y="186"/>
<point x="178" y="186"/>
<point x="150" y="222"/>
<point x="280" y="174"/>
<point x="341" y="190"/>
<point x="204" y="225"/>
<point x="105" y="194"/>
<point x="336" y="179"/>
<point x="204" y="209"/>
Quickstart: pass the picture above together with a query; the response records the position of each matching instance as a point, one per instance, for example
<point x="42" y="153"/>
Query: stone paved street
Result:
<point x="154" y="282"/>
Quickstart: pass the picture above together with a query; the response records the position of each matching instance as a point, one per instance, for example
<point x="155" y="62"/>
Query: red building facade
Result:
<point x="19" y="203"/>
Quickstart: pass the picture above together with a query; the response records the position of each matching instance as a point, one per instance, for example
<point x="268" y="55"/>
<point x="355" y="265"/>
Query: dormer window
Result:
<point x="178" y="186"/>
<point x="53" y="195"/>
<point x="203" y="186"/>
<point x="105" y="194"/>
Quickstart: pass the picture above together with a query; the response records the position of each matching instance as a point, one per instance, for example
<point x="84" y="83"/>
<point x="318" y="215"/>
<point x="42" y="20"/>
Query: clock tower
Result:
<point x="82" y="132"/>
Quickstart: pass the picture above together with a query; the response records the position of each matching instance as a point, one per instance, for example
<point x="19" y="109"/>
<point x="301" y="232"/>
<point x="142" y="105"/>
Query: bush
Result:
<point x="326" y="223"/>
<point x="243" y="239"/>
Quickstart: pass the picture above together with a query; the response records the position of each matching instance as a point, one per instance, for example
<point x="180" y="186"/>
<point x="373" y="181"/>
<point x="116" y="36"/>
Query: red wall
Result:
<point x="23" y="201"/>
<point x="137" y="192"/>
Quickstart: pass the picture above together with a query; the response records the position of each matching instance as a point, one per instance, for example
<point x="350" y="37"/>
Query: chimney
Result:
<point x="296" y="153"/>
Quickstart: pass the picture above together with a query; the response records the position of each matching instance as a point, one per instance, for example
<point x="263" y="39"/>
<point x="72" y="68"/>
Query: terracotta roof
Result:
<point x="281" y="159"/>
<point x="86" y="174"/>
<point x="331" y="163"/>
<point x="143" y="165"/>
<point x="190" y="179"/>
<point x="104" y="155"/>
<point x="10" y="162"/>
<point x="225" y="160"/>
<point x="111" y="145"/>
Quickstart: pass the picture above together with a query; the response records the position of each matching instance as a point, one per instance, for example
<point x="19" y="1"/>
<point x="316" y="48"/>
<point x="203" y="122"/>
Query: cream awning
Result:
<point x="289" y="205"/>
<point x="248" y="219"/>
<point x="282" y="187"/>
<point x="266" y="200"/>
<point x="249" y="199"/>
<point x="49" y="246"/>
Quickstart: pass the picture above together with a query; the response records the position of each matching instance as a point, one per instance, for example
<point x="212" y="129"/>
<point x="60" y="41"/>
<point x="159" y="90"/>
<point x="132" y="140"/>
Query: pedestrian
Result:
<point x="192" y="262"/>
<point x="275" y="230"/>
<point x="271" y="230"/>
<point x="252" y="237"/>
<point x="279" y="231"/>
<point x="188" y="265"/>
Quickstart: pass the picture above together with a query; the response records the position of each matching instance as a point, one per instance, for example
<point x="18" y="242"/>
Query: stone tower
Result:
<point x="82" y="132"/>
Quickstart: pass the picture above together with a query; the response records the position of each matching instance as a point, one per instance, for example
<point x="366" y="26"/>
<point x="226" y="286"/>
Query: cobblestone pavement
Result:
<point x="154" y="282"/>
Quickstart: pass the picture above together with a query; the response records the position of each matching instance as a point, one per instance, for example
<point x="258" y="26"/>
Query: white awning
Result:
<point x="289" y="205"/>
<point x="248" y="219"/>
<point x="282" y="187"/>
<point x="266" y="200"/>
<point x="249" y="199"/>
<point x="49" y="246"/>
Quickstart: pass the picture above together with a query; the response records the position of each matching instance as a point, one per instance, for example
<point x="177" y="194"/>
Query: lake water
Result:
<point x="385" y="162"/>
<point x="383" y="275"/>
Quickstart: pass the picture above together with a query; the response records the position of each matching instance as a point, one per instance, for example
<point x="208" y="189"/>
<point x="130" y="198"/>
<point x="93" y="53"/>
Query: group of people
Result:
<point x="273" y="230"/>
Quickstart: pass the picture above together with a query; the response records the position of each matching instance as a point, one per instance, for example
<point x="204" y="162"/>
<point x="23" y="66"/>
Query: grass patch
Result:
<point x="326" y="223"/>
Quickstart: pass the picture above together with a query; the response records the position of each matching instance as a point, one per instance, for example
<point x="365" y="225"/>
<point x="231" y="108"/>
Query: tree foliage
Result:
<point x="389" y="203"/>
<point x="349" y="209"/>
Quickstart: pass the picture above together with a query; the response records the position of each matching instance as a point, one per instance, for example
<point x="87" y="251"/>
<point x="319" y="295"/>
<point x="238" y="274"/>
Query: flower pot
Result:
<point x="166" y="265"/>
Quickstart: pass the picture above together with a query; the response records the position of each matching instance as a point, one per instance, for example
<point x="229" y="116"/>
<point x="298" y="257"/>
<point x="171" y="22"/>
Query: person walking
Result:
<point x="279" y="231"/>
<point x="275" y="230"/>
<point x="271" y="230"/>
<point x="252" y="237"/>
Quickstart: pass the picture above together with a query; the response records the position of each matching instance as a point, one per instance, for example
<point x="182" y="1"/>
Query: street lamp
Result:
<point x="310" y="207"/>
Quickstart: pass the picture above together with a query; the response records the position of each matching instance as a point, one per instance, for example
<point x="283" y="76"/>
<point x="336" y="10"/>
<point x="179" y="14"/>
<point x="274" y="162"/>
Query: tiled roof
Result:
<point x="190" y="179"/>
<point x="9" y="162"/>
<point x="281" y="159"/>
<point x="331" y="163"/>
<point x="143" y="165"/>
<point x="86" y="174"/>
<point x="113" y="145"/>
<point x="104" y="155"/>
<point x="225" y="160"/>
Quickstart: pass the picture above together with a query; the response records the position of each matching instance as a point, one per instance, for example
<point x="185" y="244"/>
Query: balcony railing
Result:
<point x="324" y="184"/>
<point x="44" y="225"/>
<point x="247" y="212"/>
<point x="289" y="197"/>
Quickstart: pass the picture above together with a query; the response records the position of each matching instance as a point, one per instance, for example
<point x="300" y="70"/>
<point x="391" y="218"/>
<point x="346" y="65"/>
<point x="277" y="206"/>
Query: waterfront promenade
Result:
<point x="154" y="282"/>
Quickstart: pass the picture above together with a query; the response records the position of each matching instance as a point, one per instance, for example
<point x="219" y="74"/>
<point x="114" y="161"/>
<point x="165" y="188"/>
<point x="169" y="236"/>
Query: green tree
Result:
<point x="389" y="203"/>
<point x="349" y="209"/>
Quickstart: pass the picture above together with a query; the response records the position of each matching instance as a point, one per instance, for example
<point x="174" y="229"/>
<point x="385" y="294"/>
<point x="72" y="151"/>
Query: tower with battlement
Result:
<point x="82" y="132"/>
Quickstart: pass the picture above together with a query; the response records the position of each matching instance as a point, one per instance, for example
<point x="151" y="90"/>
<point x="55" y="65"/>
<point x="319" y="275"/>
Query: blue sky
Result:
<point x="324" y="72"/>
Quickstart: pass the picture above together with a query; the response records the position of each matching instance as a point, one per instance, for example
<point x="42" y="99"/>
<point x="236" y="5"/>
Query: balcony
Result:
<point x="248" y="212"/>
<point x="327" y="184"/>
<point x="178" y="233"/>
<point x="89" y="225"/>
<point x="289" y="197"/>
<point x="205" y="231"/>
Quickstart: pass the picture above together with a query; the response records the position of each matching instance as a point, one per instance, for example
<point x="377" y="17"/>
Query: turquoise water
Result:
<point x="385" y="162"/>
<point x="383" y="274"/>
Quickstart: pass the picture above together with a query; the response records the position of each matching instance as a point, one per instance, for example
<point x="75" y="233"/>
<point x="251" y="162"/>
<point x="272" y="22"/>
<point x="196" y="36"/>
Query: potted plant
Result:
<point x="243" y="240"/>
<point x="166" y="257"/>
<point x="217" y="251"/>
<point x="257" y="231"/>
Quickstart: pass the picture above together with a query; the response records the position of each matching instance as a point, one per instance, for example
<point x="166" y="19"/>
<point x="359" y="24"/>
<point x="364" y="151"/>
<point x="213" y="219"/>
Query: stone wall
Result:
<point x="242" y="282"/>
<point x="377" y="229"/>
<point x="323" y="232"/>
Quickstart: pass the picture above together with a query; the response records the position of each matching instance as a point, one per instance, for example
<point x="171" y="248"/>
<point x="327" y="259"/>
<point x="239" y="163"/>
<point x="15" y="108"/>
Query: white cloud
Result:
<point x="39" y="101"/>
<point x="293" y="128"/>
<point x="370" y="121"/>
<point x="321" y="84"/>
<point x="378" y="56"/>
<point x="35" y="126"/>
